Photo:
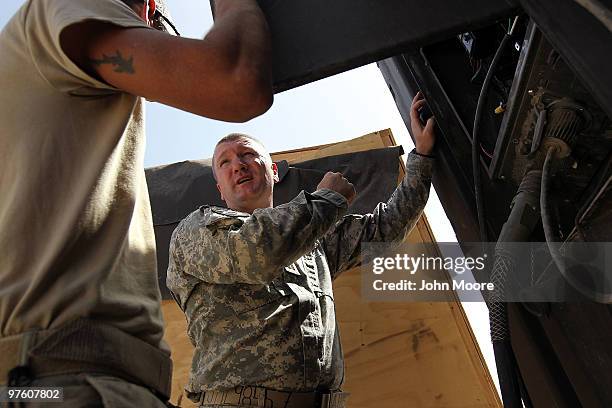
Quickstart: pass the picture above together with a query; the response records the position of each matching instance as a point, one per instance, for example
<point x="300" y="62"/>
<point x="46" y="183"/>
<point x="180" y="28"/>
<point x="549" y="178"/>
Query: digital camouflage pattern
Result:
<point x="257" y="289"/>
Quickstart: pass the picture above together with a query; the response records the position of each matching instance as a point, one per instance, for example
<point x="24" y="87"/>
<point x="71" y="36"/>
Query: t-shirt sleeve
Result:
<point x="45" y="21"/>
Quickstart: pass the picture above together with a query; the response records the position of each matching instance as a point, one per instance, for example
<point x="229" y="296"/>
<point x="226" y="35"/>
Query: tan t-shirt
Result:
<point x="76" y="236"/>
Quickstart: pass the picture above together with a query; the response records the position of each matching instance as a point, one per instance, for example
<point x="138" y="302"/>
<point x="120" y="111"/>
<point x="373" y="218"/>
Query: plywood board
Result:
<point x="396" y="354"/>
<point x="182" y="350"/>
<point x="409" y="354"/>
<point x="374" y="140"/>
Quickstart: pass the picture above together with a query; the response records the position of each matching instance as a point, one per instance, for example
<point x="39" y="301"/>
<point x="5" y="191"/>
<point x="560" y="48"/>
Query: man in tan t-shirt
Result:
<point x="79" y="299"/>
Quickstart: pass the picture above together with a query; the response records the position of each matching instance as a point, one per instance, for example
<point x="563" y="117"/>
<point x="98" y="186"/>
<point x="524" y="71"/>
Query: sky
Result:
<point x="338" y="108"/>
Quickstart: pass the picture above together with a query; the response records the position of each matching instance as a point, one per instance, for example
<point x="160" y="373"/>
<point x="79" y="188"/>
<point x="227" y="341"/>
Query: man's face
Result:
<point x="245" y="175"/>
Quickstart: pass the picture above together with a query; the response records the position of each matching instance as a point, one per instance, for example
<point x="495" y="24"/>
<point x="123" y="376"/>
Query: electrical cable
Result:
<point x="480" y="211"/>
<point x="484" y="150"/>
<point x="518" y="228"/>
<point x="500" y="335"/>
<point x="477" y="71"/>
<point x="547" y="219"/>
<point x="552" y="238"/>
<point x="159" y="16"/>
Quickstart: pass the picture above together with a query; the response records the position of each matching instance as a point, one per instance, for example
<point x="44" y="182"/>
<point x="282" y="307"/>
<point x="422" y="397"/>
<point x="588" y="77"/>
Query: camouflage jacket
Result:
<point x="257" y="288"/>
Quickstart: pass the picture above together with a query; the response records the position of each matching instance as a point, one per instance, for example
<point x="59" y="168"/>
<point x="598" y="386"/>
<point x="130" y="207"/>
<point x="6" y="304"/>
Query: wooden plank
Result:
<point x="463" y="324"/>
<point x="374" y="140"/>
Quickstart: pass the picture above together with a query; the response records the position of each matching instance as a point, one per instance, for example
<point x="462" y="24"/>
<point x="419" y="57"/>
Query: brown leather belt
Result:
<point x="85" y="345"/>
<point x="267" y="398"/>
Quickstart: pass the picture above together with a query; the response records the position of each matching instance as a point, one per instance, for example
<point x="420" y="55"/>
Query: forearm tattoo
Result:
<point x="121" y="64"/>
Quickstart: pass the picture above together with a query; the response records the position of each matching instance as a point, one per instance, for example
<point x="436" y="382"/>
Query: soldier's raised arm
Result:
<point x="225" y="76"/>
<point x="390" y="221"/>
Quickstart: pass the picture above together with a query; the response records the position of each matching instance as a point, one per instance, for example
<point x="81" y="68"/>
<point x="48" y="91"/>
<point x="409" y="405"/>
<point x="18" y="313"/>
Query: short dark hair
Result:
<point x="231" y="138"/>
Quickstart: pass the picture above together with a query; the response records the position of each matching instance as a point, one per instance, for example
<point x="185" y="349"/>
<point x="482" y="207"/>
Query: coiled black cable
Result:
<point x="480" y="211"/>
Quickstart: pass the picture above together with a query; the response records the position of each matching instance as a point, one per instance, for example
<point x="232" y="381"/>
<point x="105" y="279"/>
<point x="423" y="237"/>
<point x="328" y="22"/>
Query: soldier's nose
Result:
<point x="238" y="165"/>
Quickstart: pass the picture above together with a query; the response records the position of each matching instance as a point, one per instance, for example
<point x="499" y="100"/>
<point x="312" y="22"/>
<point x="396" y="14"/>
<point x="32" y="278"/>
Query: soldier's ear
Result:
<point x="220" y="192"/>
<point x="275" y="171"/>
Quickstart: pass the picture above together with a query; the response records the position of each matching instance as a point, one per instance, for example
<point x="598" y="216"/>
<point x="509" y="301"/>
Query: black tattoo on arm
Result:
<point x="121" y="64"/>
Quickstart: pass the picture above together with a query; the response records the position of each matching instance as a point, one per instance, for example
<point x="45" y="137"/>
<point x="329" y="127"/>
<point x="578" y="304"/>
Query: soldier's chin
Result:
<point x="248" y="189"/>
<point x="246" y="197"/>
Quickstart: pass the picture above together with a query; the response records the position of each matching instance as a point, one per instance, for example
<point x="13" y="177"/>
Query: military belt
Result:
<point x="248" y="396"/>
<point x="80" y="346"/>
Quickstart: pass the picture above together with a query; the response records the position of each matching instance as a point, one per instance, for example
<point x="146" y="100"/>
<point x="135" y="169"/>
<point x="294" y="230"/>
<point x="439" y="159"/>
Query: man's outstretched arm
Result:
<point x="390" y="221"/>
<point x="225" y="76"/>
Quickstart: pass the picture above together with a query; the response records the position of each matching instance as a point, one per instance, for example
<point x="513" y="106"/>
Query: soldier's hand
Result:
<point x="336" y="182"/>
<point x="424" y="135"/>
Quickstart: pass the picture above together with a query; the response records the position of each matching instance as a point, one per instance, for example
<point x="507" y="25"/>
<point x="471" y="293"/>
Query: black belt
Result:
<point x="267" y="398"/>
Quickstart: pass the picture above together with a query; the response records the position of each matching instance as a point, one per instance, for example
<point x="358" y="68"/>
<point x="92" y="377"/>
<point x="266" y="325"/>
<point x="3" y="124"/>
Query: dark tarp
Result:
<point x="178" y="189"/>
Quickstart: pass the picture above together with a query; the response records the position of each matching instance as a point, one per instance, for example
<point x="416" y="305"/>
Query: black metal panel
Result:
<point x="313" y="39"/>
<point x="581" y="336"/>
<point x="585" y="44"/>
<point x="542" y="372"/>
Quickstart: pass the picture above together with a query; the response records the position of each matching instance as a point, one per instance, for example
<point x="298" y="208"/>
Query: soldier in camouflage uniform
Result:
<point x="255" y="281"/>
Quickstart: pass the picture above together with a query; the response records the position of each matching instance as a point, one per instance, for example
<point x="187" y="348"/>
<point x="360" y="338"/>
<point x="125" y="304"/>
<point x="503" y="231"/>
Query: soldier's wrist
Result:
<point x="428" y="154"/>
<point x="332" y="196"/>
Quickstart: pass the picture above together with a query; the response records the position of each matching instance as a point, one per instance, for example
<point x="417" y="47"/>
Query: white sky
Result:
<point x="338" y="108"/>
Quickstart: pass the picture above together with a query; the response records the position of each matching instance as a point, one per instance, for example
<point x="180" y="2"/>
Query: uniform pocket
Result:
<point x="245" y="298"/>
